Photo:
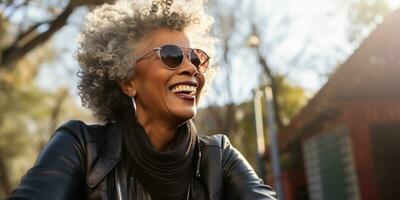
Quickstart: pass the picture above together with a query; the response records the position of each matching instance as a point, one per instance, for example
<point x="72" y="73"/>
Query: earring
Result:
<point x="134" y="105"/>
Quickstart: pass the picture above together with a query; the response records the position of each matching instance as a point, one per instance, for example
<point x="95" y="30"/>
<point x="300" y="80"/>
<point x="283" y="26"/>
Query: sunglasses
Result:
<point x="172" y="56"/>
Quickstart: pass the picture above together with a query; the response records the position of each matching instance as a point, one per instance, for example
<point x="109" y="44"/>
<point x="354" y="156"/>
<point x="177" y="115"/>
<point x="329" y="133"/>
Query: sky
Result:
<point x="320" y="22"/>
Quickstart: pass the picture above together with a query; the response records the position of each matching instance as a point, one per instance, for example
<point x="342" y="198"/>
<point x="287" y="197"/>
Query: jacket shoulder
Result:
<point x="84" y="132"/>
<point x="102" y="144"/>
<point x="217" y="140"/>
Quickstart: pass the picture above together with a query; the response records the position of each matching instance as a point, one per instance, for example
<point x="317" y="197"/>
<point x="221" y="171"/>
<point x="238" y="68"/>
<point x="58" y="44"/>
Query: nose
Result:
<point x="187" y="67"/>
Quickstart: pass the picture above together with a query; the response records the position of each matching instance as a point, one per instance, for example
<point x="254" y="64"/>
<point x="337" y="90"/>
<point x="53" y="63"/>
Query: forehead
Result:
<point x="162" y="36"/>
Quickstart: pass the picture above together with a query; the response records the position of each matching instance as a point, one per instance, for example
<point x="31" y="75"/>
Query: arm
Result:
<point x="240" y="180"/>
<point x="58" y="172"/>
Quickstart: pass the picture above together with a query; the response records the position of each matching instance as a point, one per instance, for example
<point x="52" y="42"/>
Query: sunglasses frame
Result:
<point x="183" y="50"/>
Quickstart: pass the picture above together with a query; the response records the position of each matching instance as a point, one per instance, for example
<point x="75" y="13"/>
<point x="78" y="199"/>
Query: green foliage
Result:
<point x="3" y="27"/>
<point x="291" y="99"/>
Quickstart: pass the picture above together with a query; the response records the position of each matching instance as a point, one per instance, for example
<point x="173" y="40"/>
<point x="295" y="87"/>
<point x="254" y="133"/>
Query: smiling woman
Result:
<point x="143" y="68"/>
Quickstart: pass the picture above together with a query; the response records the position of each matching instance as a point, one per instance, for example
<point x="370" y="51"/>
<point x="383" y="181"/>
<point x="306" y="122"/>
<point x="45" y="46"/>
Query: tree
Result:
<point x="29" y="118"/>
<point x="225" y="27"/>
<point x="28" y="114"/>
<point x="364" y="15"/>
<point x="19" y="101"/>
<point x="29" y="34"/>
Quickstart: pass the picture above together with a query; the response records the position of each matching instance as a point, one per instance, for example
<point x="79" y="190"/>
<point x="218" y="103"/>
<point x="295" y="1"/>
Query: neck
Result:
<point x="160" y="132"/>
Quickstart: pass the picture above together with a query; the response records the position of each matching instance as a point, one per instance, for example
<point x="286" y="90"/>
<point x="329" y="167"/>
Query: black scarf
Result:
<point x="165" y="175"/>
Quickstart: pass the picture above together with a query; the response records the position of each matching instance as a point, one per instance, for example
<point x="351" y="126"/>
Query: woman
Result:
<point x="143" y="67"/>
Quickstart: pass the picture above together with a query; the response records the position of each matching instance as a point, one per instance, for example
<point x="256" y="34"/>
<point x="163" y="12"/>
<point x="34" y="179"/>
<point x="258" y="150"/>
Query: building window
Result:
<point x="329" y="166"/>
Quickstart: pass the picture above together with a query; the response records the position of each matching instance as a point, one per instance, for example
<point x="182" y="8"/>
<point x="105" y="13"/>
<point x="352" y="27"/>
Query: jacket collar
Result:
<point x="109" y="156"/>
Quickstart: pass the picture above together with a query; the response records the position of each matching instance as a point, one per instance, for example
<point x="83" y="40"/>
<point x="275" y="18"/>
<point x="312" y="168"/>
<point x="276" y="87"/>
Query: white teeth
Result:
<point x="184" y="88"/>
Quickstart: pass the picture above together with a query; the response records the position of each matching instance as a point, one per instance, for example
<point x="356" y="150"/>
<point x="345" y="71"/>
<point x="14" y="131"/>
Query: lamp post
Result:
<point x="259" y="132"/>
<point x="254" y="42"/>
<point x="273" y="142"/>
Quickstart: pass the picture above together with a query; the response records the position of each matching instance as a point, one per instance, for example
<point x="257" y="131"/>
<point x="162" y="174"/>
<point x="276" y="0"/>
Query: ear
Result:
<point x="128" y="88"/>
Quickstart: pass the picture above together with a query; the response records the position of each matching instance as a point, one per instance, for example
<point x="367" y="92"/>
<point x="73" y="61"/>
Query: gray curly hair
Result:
<point x="106" y="47"/>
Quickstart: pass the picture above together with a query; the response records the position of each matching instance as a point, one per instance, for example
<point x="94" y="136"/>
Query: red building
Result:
<point x="345" y="144"/>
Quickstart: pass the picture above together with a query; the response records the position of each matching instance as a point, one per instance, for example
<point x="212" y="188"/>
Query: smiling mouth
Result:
<point x="185" y="90"/>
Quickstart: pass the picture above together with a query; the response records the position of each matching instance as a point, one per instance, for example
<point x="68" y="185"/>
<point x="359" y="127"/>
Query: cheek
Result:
<point x="155" y="81"/>
<point x="201" y="81"/>
<point x="201" y="85"/>
<point x="151" y="89"/>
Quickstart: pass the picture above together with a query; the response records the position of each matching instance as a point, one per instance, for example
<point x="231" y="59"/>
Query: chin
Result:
<point x="184" y="115"/>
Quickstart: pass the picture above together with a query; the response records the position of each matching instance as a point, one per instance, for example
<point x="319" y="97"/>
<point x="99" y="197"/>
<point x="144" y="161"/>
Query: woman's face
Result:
<point x="158" y="90"/>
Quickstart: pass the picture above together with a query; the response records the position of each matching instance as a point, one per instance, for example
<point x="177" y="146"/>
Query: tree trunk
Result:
<point x="4" y="177"/>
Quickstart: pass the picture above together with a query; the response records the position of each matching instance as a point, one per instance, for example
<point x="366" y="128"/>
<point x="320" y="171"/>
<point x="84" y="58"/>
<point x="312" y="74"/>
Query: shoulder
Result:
<point x="84" y="132"/>
<point x="218" y="141"/>
<point x="218" y="147"/>
<point x="100" y="144"/>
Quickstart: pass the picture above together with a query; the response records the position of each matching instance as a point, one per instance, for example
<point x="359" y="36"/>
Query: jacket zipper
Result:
<point x="188" y="193"/>
<point x="118" y="184"/>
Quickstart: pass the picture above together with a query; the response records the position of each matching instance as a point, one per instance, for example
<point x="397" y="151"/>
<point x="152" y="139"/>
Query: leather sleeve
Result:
<point x="240" y="180"/>
<point x="58" y="173"/>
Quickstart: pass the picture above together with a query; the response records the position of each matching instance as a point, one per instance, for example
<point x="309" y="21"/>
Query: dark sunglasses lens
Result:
<point x="199" y="59"/>
<point x="171" y="55"/>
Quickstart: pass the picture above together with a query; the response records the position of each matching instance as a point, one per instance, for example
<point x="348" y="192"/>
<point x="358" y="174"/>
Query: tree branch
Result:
<point x="15" y="8"/>
<point x="27" y="32"/>
<point x="14" y="52"/>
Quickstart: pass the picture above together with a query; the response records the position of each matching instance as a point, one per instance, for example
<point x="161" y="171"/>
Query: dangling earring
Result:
<point x="134" y="105"/>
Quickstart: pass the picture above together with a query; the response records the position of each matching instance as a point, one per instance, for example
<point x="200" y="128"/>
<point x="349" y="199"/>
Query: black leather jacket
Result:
<point x="81" y="162"/>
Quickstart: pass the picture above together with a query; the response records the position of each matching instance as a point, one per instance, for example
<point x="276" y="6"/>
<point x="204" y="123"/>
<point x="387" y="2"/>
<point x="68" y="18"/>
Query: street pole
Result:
<point x="273" y="142"/>
<point x="259" y="132"/>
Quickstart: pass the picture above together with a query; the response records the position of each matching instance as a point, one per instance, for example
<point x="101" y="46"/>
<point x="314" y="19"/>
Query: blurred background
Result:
<point x="307" y="90"/>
